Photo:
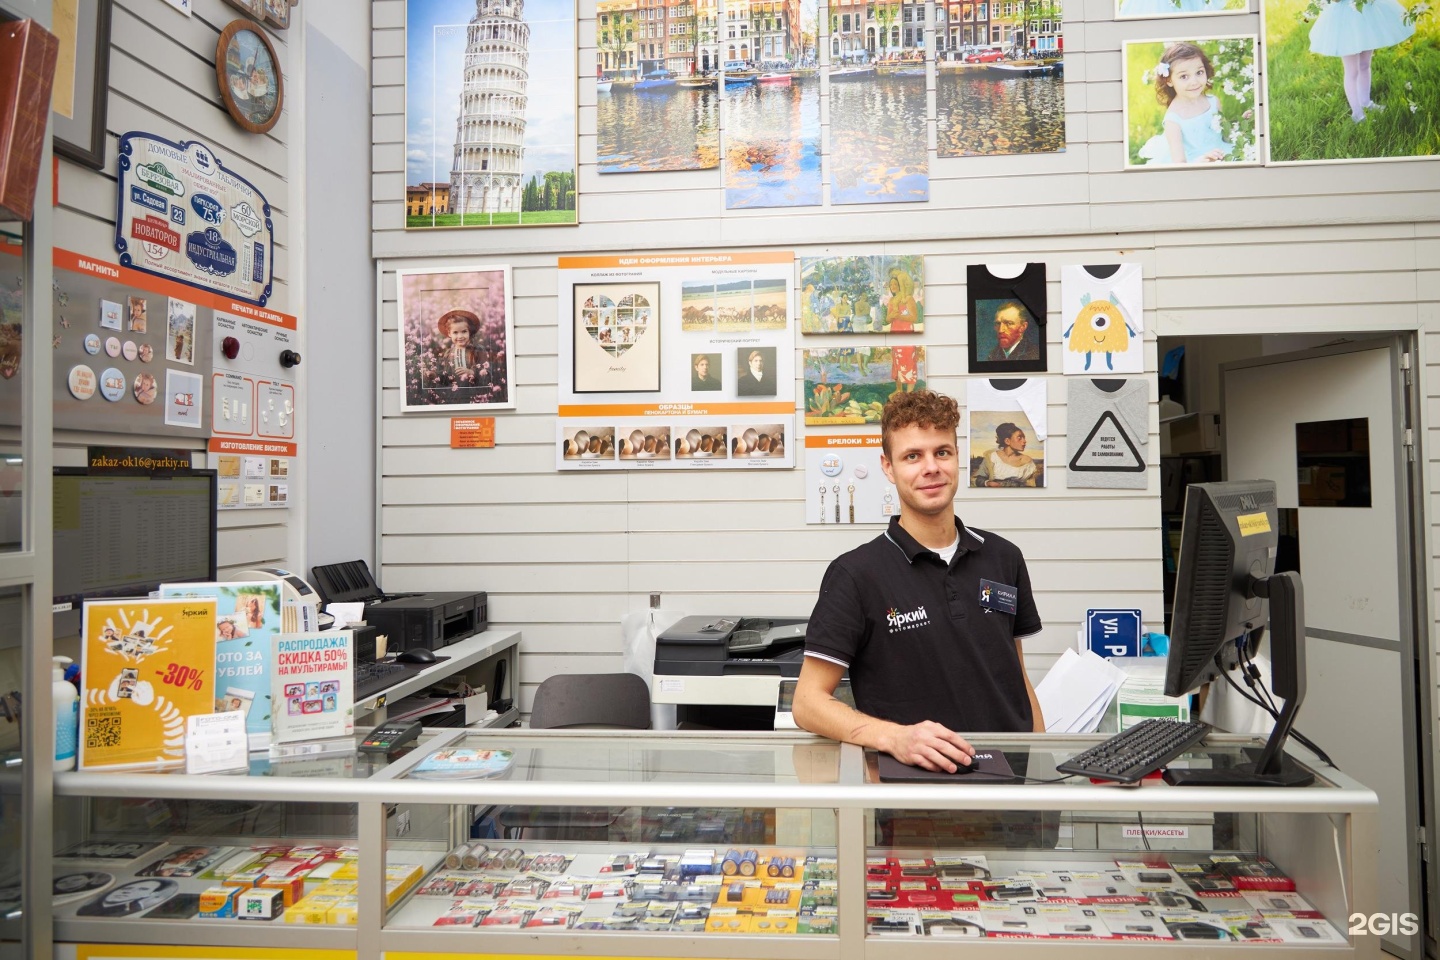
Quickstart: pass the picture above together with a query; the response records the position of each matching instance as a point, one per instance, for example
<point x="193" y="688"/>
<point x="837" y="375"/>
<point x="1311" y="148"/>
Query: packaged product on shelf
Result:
<point x="727" y="920"/>
<point x="440" y="885"/>
<point x="345" y="912"/>
<point x="312" y="909"/>
<point x="548" y="863"/>
<point x="1253" y="873"/>
<point x="1281" y="904"/>
<point x="891" y="923"/>
<point x="1131" y="922"/>
<point x="607" y="890"/>
<point x="480" y="888"/>
<point x="259" y="904"/>
<point x="186" y="862"/>
<point x="527" y="886"/>
<point x="512" y="914"/>
<point x="236" y="862"/>
<point x="690" y="918"/>
<point x="244" y="879"/>
<point x="400" y="879"/>
<point x="1306" y="931"/>
<point x="114" y="852"/>
<point x="464" y="913"/>
<point x="950" y="924"/>
<point x="625" y="862"/>
<point x="556" y="916"/>
<point x="962" y="868"/>
<point x="566" y="889"/>
<point x="1073" y="921"/>
<point x="218" y="903"/>
<point x="818" y="920"/>
<point x="293" y="888"/>
<point x="1013" y="920"/>
<point x="1197" y="926"/>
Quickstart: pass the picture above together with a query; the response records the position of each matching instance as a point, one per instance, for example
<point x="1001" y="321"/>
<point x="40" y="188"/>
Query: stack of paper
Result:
<point x="1076" y="692"/>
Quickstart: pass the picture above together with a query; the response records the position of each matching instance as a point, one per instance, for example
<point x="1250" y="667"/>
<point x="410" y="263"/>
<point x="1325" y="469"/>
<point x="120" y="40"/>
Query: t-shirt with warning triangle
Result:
<point x="1108" y="433"/>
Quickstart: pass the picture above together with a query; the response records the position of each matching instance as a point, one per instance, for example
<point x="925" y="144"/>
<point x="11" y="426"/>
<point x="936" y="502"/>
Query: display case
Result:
<point x="780" y="845"/>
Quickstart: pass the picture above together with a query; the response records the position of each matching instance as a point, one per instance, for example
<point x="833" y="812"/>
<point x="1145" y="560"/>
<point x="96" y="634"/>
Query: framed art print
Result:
<point x="1191" y="103"/>
<point x="457" y="335"/>
<point x="80" y="123"/>
<point x="617" y="338"/>
<point x="491" y="93"/>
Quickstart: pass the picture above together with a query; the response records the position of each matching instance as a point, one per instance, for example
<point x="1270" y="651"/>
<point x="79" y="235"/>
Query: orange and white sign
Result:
<point x="844" y="481"/>
<point x="472" y="433"/>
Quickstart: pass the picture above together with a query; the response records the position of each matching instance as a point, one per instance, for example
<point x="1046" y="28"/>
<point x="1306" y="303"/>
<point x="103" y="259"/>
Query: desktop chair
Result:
<point x="572" y="701"/>
<point x="619" y="700"/>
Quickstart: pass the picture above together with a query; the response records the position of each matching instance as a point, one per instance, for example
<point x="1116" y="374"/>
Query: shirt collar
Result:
<point x="913" y="549"/>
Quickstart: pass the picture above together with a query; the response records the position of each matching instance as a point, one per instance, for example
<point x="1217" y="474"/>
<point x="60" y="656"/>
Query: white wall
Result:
<point x="162" y="81"/>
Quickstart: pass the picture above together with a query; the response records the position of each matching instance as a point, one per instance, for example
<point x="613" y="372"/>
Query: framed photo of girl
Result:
<point x="1190" y="103"/>
<point x="457" y="335"/>
<point x="1350" y="79"/>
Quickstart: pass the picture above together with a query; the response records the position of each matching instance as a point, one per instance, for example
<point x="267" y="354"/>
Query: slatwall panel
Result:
<point x="162" y="81"/>
<point x="1316" y="249"/>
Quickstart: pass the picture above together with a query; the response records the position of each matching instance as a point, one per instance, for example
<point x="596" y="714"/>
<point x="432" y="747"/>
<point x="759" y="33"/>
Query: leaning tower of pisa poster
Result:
<point x="490" y="104"/>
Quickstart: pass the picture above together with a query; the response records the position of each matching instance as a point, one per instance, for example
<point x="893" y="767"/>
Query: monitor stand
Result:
<point x="1270" y="767"/>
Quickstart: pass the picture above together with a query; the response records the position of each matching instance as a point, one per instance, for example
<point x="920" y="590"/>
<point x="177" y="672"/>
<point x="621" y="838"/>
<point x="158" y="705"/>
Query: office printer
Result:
<point x="408" y="620"/>
<point x="728" y="661"/>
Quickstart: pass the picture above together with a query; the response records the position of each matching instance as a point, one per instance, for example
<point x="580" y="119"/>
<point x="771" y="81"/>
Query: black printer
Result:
<point x="410" y="620"/>
<point x="731" y="646"/>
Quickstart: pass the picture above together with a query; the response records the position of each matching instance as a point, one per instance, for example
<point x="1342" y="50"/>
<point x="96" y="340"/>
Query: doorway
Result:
<point x="1331" y="424"/>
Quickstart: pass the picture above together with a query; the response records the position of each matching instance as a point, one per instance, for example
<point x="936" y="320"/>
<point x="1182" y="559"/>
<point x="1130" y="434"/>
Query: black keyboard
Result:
<point x="1143" y="749"/>
<point x="372" y="677"/>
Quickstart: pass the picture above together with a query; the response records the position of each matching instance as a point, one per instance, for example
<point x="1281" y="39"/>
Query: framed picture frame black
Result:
<point x="80" y="137"/>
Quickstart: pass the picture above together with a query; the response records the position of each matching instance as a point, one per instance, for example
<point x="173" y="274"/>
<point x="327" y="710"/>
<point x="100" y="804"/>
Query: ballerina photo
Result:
<point x="1351" y="79"/>
<point x="1190" y="102"/>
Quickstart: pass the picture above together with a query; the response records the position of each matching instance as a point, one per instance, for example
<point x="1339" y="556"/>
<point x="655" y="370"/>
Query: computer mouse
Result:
<point x="416" y="655"/>
<point x="962" y="769"/>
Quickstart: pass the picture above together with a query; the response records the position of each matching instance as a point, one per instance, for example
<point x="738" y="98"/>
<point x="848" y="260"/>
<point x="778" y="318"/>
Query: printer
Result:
<point x="728" y="661"/>
<point x="409" y="620"/>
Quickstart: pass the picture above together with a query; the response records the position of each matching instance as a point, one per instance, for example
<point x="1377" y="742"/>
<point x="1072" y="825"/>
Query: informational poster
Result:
<point x="844" y="481"/>
<point x="313" y="685"/>
<point x="147" y="665"/>
<point x="247" y="616"/>
<point x="681" y="361"/>
<point x="180" y="214"/>
<point x="254" y="407"/>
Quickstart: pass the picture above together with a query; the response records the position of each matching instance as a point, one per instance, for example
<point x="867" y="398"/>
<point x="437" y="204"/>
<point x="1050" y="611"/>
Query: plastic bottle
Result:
<point x="66" y="701"/>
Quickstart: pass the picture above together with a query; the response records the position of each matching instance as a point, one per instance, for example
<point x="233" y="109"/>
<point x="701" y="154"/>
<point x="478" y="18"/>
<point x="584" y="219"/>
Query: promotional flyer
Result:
<point x="147" y="665"/>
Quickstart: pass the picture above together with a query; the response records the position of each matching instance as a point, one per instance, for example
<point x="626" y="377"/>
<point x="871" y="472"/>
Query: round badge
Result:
<point x="129" y="350"/>
<point x="147" y="353"/>
<point x="861" y="472"/>
<point x="92" y="343"/>
<point x="145" y="388"/>
<point x="112" y="346"/>
<point x="82" y="382"/>
<point x="831" y="465"/>
<point x="112" y="384"/>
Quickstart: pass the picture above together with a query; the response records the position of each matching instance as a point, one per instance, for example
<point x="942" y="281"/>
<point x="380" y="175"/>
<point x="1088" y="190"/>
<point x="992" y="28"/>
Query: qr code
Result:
<point x="102" y="732"/>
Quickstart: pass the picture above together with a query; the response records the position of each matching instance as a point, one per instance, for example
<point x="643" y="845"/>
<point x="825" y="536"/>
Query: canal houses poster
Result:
<point x="657" y="101"/>
<point x="770" y="78"/>
<point x="1000" y="82"/>
<point x="490" y="113"/>
<point x="878" y="144"/>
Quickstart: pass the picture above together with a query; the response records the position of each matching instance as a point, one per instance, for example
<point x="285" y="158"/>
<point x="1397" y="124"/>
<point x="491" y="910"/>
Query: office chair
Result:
<point x="571" y="701"/>
<point x="620" y="700"/>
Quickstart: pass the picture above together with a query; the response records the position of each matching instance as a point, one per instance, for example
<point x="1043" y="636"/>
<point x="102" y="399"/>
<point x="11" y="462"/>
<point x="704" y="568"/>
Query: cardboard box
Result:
<point x="263" y="904"/>
<point x="218" y="903"/>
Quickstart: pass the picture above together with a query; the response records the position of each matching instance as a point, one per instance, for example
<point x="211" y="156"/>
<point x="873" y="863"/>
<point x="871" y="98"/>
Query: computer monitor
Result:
<point x="1226" y="592"/>
<point x="122" y="535"/>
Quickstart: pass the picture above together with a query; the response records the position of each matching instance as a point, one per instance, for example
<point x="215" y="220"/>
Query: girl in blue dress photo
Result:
<point x="1191" y="132"/>
<point x="1353" y="30"/>
<point x="1190" y="102"/>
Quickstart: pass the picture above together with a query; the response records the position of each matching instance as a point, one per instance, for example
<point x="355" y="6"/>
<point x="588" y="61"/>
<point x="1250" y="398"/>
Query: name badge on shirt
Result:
<point x="998" y="597"/>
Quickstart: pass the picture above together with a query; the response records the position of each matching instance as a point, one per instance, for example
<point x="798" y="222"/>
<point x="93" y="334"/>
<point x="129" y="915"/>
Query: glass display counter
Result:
<point x="780" y="845"/>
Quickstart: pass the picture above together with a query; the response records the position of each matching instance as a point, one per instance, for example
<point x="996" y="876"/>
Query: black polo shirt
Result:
<point x="918" y="641"/>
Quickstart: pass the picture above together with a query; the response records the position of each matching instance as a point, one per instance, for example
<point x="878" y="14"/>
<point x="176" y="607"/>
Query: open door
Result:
<point x="1330" y="427"/>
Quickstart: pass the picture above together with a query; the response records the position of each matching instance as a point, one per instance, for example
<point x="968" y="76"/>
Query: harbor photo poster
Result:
<point x="1351" y="79"/>
<point x="657" y="99"/>
<point x="877" y="139"/>
<point x="1190" y="103"/>
<point x="770" y="82"/>
<point x="1000" y="85"/>
<point x="457" y="335"/>
<point x="490" y="113"/>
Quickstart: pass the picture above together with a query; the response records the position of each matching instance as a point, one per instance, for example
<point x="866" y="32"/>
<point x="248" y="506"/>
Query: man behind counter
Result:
<point x="928" y="617"/>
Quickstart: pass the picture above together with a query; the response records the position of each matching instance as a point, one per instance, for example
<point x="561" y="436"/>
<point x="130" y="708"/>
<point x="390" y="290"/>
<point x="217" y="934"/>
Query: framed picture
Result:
<point x="617" y="338"/>
<point x="498" y="146"/>
<point x="248" y="71"/>
<point x="457" y="337"/>
<point x="80" y="118"/>
<point x="1136" y="9"/>
<point x="1190" y="104"/>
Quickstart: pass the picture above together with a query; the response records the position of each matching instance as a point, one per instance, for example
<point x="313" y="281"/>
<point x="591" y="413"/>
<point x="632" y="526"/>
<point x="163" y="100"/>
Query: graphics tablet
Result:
<point x="990" y="766"/>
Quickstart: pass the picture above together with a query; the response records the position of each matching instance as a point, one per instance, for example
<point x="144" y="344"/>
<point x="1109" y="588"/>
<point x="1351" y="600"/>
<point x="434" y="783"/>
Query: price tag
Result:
<point x="216" y="743"/>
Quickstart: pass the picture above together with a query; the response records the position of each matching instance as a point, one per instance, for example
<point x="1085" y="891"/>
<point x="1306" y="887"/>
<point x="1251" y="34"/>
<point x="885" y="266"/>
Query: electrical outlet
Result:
<point x="654" y="601"/>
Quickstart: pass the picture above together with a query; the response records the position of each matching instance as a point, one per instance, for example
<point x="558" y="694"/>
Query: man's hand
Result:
<point x="928" y="745"/>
